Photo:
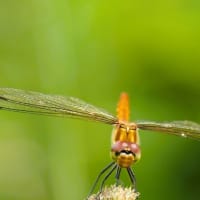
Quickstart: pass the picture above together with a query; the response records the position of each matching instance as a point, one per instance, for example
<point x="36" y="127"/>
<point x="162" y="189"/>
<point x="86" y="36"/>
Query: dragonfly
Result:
<point x="125" y="142"/>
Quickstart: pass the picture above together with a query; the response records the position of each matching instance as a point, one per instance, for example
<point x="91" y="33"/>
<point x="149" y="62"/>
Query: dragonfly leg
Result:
<point x="99" y="176"/>
<point x="118" y="175"/>
<point x="106" y="177"/>
<point x="132" y="177"/>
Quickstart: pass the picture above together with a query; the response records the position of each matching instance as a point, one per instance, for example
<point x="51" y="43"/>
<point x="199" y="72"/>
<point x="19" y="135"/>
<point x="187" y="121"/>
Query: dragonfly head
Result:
<point x="125" y="153"/>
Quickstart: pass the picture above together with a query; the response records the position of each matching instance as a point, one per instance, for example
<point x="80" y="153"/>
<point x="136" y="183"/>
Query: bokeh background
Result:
<point x="94" y="50"/>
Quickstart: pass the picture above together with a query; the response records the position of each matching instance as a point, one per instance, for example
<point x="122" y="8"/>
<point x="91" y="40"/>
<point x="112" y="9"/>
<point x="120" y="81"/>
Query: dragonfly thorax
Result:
<point x="125" y="148"/>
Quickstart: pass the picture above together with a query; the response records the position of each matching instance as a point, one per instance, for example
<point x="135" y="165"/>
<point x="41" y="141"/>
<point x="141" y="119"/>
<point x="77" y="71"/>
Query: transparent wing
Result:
<point x="38" y="103"/>
<point x="186" y="129"/>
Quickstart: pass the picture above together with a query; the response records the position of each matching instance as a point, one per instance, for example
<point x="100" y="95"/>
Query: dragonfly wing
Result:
<point x="56" y="105"/>
<point x="186" y="129"/>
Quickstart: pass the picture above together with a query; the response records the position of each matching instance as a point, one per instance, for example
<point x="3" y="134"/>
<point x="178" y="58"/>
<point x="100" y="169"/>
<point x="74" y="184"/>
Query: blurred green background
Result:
<point x="94" y="50"/>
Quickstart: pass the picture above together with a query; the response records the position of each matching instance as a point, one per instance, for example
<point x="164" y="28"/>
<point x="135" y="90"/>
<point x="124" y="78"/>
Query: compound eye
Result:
<point x="116" y="146"/>
<point x="135" y="149"/>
